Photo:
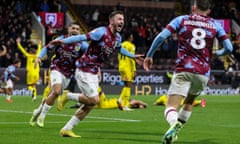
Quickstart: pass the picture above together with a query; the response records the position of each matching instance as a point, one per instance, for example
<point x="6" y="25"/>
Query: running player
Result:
<point x="61" y="71"/>
<point x="196" y="33"/>
<point x="103" y="42"/>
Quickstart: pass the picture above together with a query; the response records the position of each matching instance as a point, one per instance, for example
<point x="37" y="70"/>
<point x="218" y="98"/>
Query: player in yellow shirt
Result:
<point x="127" y="71"/>
<point x="111" y="103"/>
<point x="47" y="89"/>
<point x="33" y="72"/>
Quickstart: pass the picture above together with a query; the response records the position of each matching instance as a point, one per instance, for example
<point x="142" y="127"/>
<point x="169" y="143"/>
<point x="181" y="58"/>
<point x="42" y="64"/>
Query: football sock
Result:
<point x="34" y="91"/>
<point x="184" y="115"/>
<point x="46" y="92"/>
<point x="44" y="111"/>
<point x="30" y="88"/>
<point x="73" y="96"/>
<point x="126" y="98"/>
<point x="71" y="123"/>
<point x="38" y="110"/>
<point x="122" y="94"/>
<point x="171" y="115"/>
<point x="8" y="97"/>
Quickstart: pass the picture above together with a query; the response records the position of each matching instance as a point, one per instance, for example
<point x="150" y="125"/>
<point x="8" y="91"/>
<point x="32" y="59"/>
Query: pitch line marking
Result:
<point x="67" y="115"/>
<point x="56" y="122"/>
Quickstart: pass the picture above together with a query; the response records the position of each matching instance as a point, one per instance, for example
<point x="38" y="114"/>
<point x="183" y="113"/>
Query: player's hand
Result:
<point x="147" y="64"/>
<point x="40" y="42"/>
<point x="38" y="61"/>
<point x="17" y="78"/>
<point x="139" y="59"/>
<point x="56" y="42"/>
<point x="4" y="51"/>
<point x="18" y="40"/>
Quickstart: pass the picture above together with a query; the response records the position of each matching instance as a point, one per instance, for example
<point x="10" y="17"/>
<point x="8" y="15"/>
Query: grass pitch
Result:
<point x="217" y="123"/>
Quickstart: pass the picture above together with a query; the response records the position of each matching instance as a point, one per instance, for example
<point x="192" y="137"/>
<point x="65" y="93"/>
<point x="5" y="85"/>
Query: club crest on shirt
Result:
<point x="77" y="48"/>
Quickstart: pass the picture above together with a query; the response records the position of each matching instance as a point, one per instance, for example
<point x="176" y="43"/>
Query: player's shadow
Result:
<point x="203" y="141"/>
<point x="157" y="139"/>
<point x="138" y="140"/>
<point x="125" y="132"/>
<point x="121" y="136"/>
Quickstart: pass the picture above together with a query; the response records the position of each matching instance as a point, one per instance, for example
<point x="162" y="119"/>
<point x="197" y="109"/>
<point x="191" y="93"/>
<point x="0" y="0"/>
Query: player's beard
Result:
<point x="118" y="27"/>
<point x="74" y="34"/>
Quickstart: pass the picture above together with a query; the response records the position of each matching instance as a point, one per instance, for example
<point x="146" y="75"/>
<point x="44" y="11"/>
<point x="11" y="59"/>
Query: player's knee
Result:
<point x="57" y="91"/>
<point x="94" y="100"/>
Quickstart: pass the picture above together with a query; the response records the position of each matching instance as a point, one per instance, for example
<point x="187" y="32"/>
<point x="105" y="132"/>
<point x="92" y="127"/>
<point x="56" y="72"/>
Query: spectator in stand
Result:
<point x="95" y="16"/>
<point x="141" y="29"/>
<point x="44" y="7"/>
<point x="19" y="7"/>
<point x="49" y="32"/>
<point x="56" y="6"/>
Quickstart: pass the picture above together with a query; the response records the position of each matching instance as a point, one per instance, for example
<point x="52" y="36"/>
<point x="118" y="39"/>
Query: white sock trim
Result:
<point x="184" y="115"/>
<point x="71" y="123"/>
<point x="73" y="96"/>
<point x="45" y="110"/>
<point x="171" y="115"/>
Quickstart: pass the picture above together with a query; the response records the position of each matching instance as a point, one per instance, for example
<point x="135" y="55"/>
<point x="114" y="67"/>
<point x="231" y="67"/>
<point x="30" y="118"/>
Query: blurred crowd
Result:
<point x="15" y="21"/>
<point x="145" y="23"/>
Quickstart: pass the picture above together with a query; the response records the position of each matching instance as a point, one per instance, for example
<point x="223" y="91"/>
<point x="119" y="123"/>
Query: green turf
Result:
<point x="217" y="123"/>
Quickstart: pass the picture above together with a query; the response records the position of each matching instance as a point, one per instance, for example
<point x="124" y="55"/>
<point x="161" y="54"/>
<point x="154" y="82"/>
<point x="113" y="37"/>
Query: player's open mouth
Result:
<point x="120" y="26"/>
<point x="74" y="33"/>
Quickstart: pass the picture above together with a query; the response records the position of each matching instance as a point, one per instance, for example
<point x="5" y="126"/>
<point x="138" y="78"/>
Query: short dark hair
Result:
<point x="112" y="14"/>
<point x="127" y="34"/>
<point x="74" y="23"/>
<point x="203" y="5"/>
<point x="16" y="61"/>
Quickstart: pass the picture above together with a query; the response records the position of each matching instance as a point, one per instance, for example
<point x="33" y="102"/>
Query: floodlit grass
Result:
<point x="217" y="123"/>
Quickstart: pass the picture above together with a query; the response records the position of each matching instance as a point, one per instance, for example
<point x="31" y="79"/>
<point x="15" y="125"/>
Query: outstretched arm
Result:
<point x="137" y="57"/>
<point x="157" y="42"/>
<point x="20" y="47"/>
<point x="227" y="48"/>
<point x="95" y="34"/>
<point x="222" y="36"/>
<point x="4" y="51"/>
<point x="73" y="39"/>
<point x="5" y="77"/>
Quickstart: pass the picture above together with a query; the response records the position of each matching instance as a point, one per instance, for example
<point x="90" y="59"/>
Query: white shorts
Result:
<point x="87" y="83"/>
<point x="185" y="83"/>
<point x="57" y="77"/>
<point x="9" y="84"/>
